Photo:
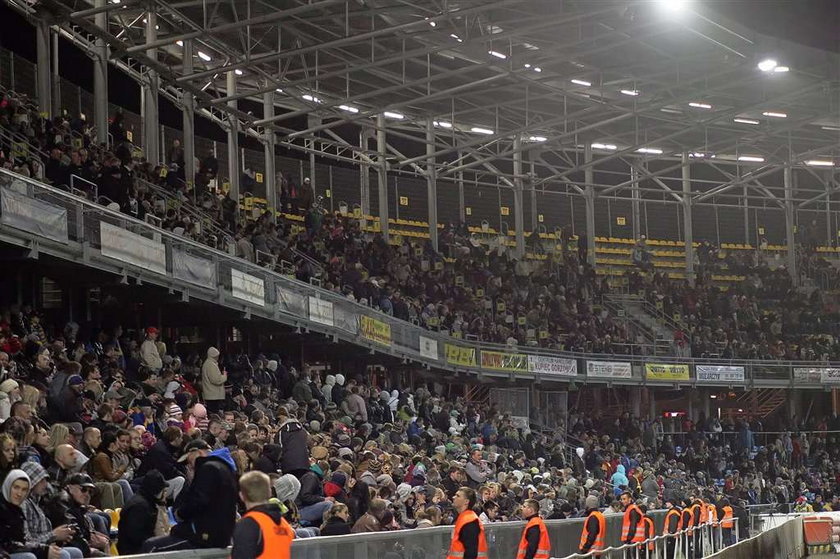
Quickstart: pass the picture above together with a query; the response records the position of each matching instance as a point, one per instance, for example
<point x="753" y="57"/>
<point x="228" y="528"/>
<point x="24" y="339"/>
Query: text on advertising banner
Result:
<point x="807" y="374"/>
<point x="428" y="348"/>
<point x="609" y="369"/>
<point x="719" y="373"/>
<point x="321" y="311"/>
<point x="459" y="355"/>
<point x="546" y="365"/>
<point x="500" y="361"/>
<point x="375" y="330"/>
<point x="830" y="375"/>
<point x="667" y="371"/>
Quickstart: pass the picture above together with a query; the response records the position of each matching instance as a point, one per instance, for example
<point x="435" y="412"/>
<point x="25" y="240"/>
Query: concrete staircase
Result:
<point x="658" y="328"/>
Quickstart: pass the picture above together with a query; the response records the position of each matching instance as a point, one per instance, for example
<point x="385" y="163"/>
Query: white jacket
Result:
<point x="150" y="355"/>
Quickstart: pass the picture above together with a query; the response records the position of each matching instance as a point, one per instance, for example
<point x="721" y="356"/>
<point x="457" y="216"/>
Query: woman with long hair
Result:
<point x="336" y="521"/>
<point x="8" y="454"/>
<point x="105" y="471"/>
<point x="59" y="435"/>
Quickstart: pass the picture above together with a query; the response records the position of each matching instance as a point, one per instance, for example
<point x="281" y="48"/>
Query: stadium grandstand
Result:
<point x="402" y="280"/>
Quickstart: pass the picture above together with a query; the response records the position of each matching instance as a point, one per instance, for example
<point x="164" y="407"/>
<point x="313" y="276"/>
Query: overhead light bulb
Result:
<point x="745" y="121"/>
<point x="391" y="114"/>
<point x="456" y="37"/>
<point x="781" y="69"/>
<point x="179" y="43"/>
<point x="584" y="83"/>
<point x="537" y="69"/>
<point x="652" y="151"/>
<point x="480" y="130"/>
<point x="774" y="114"/>
<point x="348" y="108"/>
<point x="630" y="92"/>
<point x="767" y="65"/>
<point x="699" y="105"/>
<point x="443" y="124"/>
<point x="205" y="57"/>
<point x="538" y="139"/>
<point x="497" y="54"/>
<point x="820" y="163"/>
<point x="751" y="158"/>
<point x="609" y="147"/>
<point x="238" y="72"/>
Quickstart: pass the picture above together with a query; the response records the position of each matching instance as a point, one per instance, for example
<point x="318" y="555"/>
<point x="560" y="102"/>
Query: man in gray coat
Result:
<point x="213" y="381"/>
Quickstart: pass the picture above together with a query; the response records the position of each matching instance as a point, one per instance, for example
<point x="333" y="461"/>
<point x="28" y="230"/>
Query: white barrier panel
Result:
<point x="291" y="302"/>
<point x="610" y="369"/>
<point x="193" y="269"/>
<point x="719" y="373"/>
<point x="546" y="365"/>
<point x="247" y="287"/>
<point x="346" y="319"/>
<point x="428" y="348"/>
<point x="321" y="311"/>
<point x="28" y="214"/>
<point x="807" y="374"/>
<point x="119" y="244"/>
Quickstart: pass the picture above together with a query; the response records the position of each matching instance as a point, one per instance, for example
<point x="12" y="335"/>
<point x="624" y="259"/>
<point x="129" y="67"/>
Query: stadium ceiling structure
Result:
<point x="478" y="85"/>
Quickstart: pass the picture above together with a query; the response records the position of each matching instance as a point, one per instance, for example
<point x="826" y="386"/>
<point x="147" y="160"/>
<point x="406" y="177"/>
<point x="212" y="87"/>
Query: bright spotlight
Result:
<point x="767" y="65"/>
<point x="674" y="5"/>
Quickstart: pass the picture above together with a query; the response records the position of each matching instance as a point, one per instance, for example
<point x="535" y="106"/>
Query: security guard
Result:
<point x="534" y="543"/>
<point x="262" y="533"/>
<point x="698" y="520"/>
<point x="646" y="550"/>
<point x="594" y="533"/>
<point x="673" y="524"/>
<point x="727" y="523"/>
<point x="633" y="525"/>
<point x="468" y="541"/>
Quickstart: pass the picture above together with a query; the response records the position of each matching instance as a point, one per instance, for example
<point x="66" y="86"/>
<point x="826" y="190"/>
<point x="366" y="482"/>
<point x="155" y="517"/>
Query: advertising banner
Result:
<point x="808" y="374"/>
<point x="830" y="375"/>
<point x="247" y="287"/>
<point x="501" y="361"/>
<point x="290" y="302"/>
<point x="321" y="311"/>
<point x="28" y="214"/>
<point x="375" y="330"/>
<point x="719" y="373"/>
<point x="667" y="371"/>
<point x="545" y="365"/>
<point x="428" y="348"/>
<point x="193" y="269"/>
<point x="459" y="355"/>
<point x="609" y="369"/>
<point x="119" y="244"/>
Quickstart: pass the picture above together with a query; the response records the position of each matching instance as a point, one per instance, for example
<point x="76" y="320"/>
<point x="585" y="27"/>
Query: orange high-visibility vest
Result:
<point x="670" y="514"/>
<point x="712" y="514"/>
<point x="544" y="547"/>
<point x="650" y="531"/>
<point x="456" y="547"/>
<point x="728" y="521"/>
<point x="703" y="512"/>
<point x="696" y="514"/>
<point x="639" y="534"/>
<point x="600" y="542"/>
<point x="276" y="538"/>
<point x="688" y="520"/>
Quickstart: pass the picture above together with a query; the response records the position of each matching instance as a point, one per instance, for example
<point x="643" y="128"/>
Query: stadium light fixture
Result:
<point x="767" y="65"/>
<point x="652" y="151"/>
<point x="674" y="5"/>
<point x="497" y="54"/>
<point x="538" y="139"/>
<point x="630" y="92"/>
<point x="745" y="121"/>
<point x="774" y="114"/>
<point x="204" y="56"/>
<point x="348" y="108"/>
<point x="831" y="128"/>
<point x="781" y="69"/>
<point x="584" y="83"/>
<point x="751" y="158"/>
<point x="391" y="114"/>
<point x="456" y="37"/>
<point x="819" y="163"/>
<point x="697" y="105"/>
<point x="238" y="72"/>
<point x="537" y="69"/>
<point x="480" y="130"/>
<point x="608" y="147"/>
<point x="179" y="43"/>
<point x="312" y="98"/>
<point x="443" y="124"/>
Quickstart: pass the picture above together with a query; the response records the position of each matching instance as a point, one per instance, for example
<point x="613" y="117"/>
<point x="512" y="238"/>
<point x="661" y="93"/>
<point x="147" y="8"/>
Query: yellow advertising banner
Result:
<point x="500" y="361"/>
<point x="458" y="355"/>
<point x="376" y="330"/>
<point x="667" y="371"/>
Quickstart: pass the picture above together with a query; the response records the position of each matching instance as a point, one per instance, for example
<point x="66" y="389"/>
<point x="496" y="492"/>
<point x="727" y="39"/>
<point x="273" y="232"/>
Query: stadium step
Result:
<point x="764" y="401"/>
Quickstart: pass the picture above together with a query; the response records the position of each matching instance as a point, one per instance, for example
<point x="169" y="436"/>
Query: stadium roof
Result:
<point x="647" y="80"/>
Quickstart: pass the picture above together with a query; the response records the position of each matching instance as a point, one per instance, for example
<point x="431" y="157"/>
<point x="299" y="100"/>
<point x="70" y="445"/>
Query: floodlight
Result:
<point x="767" y="65"/>
<point x="390" y="114"/>
<point x="751" y="159"/>
<point x="480" y="130"/>
<point x="820" y="163"/>
<point x="584" y="83"/>
<point x="652" y="151"/>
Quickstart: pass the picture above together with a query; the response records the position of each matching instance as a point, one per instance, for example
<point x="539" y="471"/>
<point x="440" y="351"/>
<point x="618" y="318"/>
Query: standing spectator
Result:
<point x="149" y="354"/>
<point x="213" y="381"/>
<point x="206" y="510"/>
<point x="262" y="532"/>
<point x="305" y="196"/>
<point x="292" y="438"/>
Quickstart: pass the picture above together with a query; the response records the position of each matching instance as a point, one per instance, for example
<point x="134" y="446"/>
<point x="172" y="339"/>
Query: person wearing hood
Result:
<point x="293" y="439"/>
<point x="262" y="531"/>
<point x="9" y="394"/>
<point x="327" y="389"/>
<point x="269" y="460"/>
<point x="38" y="527"/>
<point x="335" y="488"/>
<point x="15" y="490"/>
<point x="138" y="519"/>
<point x="206" y="509"/>
<point x="338" y="390"/>
<point x="619" y="479"/>
<point x="311" y="501"/>
<point x="213" y="381"/>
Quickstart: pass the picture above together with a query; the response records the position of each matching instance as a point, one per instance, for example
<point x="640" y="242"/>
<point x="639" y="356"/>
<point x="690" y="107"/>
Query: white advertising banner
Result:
<point x="428" y="348"/>
<point x="321" y="311"/>
<point x="247" y="287"/>
<point x="193" y="269"/>
<point x="290" y="302"/>
<point x="609" y="369"/>
<point x="28" y="214"/>
<point x="808" y="374"/>
<point x="119" y="244"/>
<point x="830" y="375"/>
<point x="546" y="365"/>
<point x="719" y="373"/>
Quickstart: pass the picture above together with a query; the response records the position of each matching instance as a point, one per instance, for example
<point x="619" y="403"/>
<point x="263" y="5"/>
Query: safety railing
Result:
<point x="157" y="256"/>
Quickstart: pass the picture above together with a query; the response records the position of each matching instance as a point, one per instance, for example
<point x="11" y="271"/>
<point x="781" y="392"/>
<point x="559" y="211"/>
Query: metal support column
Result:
<point x="100" y="78"/>
<point x="830" y="236"/>
<point x="635" y="203"/>
<point x="269" y="141"/>
<point x="589" y="193"/>
<point x="312" y="121"/>
<point x="747" y="235"/>
<point x="431" y="183"/>
<point x="462" y="204"/>
<point x="364" y="175"/>
<point x="518" y="209"/>
<point x="234" y="169"/>
<point x="382" y="175"/>
<point x="688" y="227"/>
<point x="790" y="223"/>
<point x="42" y="47"/>
<point x="151" y="86"/>
<point x="535" y="218"/>
<point x="55" y="77"/>
<point x="188" y="113"/>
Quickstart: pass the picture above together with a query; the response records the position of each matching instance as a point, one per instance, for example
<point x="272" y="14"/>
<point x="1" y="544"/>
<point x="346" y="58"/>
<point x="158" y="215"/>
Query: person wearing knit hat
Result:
<point x="345" y="453"/>
<point x="319" y="453"/>
<point x="287" y="487"/>
<point x="315" y="426"/>
<point x="9" y="394"/>
<point x="594" y="534"/>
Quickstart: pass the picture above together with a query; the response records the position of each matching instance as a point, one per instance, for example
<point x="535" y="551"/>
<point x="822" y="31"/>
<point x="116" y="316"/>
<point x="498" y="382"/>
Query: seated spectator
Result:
<point x="139" y="517"/>
<point x="15" y="490"/>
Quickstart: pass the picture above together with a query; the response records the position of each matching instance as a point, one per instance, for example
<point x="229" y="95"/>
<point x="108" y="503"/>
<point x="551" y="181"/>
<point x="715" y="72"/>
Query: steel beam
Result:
<point x="382" y="175"/>
<point x="42" y="48"/>
<point x="635" y="203"/>
<point x="518" y="204"/>
<point x="188" y="117"/>
<point x="688" y="224"/>
<point x="589" y="197"/>
<point x="364" y="174"/>
<point x="150" y="87"/>
<point x="234" y="166"/>
<point x="431" y="184"/>
<point x="269" y="143"/>
<point x="100" y="77"/>
<point x="790" y="225"/>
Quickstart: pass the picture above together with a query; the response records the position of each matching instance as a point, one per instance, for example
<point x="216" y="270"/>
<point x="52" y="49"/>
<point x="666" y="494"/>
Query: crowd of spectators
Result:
<point x="116" y="421"/>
